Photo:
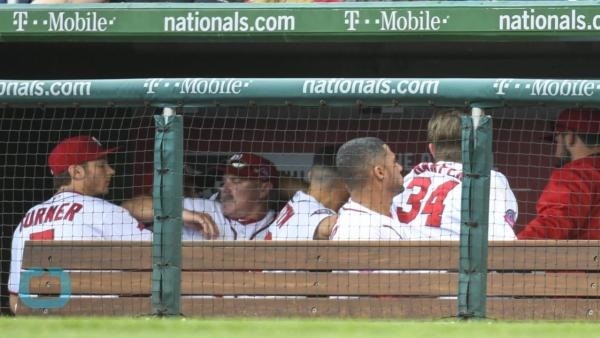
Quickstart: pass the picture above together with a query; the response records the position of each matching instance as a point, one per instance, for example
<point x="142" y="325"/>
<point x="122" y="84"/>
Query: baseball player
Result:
<point x="315" y="208"/>
<point x="76" y="212"/>
<point x="431" y="202"/>
<point x="373" y="177"/>
<point x="241" y="212"/>
<point x="569" y="207"/>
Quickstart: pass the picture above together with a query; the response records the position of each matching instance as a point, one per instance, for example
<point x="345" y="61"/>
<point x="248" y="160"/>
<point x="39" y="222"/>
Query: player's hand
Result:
<point x="202" y="222"/>
<point x="323" y="230"/>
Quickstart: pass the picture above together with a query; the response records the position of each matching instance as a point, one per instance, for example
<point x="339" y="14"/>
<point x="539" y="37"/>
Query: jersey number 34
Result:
<point x="433" y="207"/>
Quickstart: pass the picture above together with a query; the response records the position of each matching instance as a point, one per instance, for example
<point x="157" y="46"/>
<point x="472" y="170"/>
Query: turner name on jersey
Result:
<point x="72" y="216"/>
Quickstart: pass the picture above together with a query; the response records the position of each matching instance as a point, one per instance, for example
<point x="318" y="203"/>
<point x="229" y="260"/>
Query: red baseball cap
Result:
<point x="75" y="150"/>
<point x="251" y="166"/>
<point x="579" y="120"/>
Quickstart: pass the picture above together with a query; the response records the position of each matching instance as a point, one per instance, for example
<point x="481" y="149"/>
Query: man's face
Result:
<point x="393" y="172"/>
<point x="97" y="176"/>
<point x="241" y="196"/>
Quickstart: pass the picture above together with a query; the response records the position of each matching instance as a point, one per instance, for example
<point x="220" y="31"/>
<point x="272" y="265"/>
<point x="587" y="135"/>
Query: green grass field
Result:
<point x="289" y="328"/>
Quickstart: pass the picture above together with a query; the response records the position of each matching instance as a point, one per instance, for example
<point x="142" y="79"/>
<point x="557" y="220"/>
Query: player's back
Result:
<point x="72" y="216"/>
<point x="569" y="206"/>
<point x="356" y="222"/>
<point x="582" y="176"/>
<point x="299" y="218"/>
<point x="431" y="202"/>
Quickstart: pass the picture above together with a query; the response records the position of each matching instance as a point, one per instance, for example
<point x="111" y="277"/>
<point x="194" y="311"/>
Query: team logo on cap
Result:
<point x="235" y="157"/>
<point x="250" y="165"/>
<point x="236" y="161"/>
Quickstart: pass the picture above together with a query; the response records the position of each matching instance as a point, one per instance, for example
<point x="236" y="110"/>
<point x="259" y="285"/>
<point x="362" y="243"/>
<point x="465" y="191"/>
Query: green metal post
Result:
<point x="477" y="160"/>
<point x="167" y="196"/>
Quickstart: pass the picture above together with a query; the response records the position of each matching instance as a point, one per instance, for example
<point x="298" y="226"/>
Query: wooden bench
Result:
<point x="527" y="279"/>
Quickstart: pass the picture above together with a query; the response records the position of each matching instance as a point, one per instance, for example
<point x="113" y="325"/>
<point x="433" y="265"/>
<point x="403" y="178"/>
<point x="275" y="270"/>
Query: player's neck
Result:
<point x="377" y="201"/>
<point x="254" y="215"/>
<point x="579" y="152"/>
<point x="70" y="188"/>
<point x="321" y="194"/>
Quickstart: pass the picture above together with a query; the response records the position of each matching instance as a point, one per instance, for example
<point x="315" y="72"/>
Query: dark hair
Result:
<point x="325" y="155"/>
<point x="356" y="157"/>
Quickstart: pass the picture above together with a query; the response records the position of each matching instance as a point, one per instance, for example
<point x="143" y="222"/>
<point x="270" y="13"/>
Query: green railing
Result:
<point x="380" y="21"/>
<point x="167" y="194"/>
<point x="477" y="164"/>
<point x="164" y="92"/>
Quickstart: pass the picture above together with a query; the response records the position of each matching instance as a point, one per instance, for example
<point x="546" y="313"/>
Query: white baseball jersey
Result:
<point x="356" y="222"/>
<point x="431" y="202"/>
<point x="299" y="219"/>
<point x="72" y="216"/>
<point x="229" y="229"/>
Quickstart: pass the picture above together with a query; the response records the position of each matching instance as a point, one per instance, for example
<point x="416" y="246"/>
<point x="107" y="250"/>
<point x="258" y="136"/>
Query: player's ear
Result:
<point x="431" y="147"/>
<point x="378" y="172"/>
<point x="264" y="189"/>
<point x="76" y="172"/>
<point x="309" y="175"/>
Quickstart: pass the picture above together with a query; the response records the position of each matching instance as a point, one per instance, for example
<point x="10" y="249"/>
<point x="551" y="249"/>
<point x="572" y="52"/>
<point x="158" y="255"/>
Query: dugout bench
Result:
<point x="405" y="279"/>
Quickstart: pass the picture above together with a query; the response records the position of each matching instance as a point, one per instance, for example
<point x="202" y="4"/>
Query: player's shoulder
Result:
<point x="353" y="213"/>
<point x="301" y="197"/>
<point x="582" y="167"/>
<point x="102" y="203"/>
<point x="439" y="171"/>
<point x="422" y="168"/>
<point x="321" y="212"/>
<point x="345" y="212"/>
<point x="307" y="204"/>
<point x="498" y="179"/>
<point x="73" y="197"/>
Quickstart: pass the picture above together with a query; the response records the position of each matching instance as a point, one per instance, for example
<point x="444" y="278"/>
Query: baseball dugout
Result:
<point x="287" y="121"/>
<point x="291" y="117"/>
<point x="526" y="279"/>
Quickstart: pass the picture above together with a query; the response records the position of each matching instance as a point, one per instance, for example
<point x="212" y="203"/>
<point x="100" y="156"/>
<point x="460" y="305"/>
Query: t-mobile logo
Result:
<point x="351" y="18"/>
<point x="20" y="20"/>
